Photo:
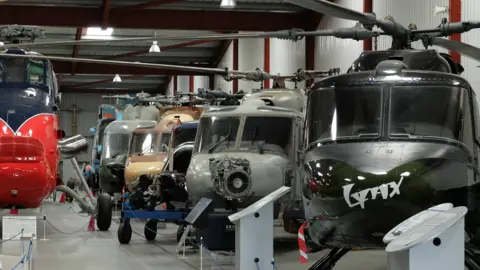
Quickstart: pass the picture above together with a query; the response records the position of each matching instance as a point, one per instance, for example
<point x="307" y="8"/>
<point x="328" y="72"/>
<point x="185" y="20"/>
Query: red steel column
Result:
<point x="235" y="65"/>
<point x="367" y="8"/>
<point x="191" y="83"/>
<point x="455" y="15"/>
<point x="266" y="61"/>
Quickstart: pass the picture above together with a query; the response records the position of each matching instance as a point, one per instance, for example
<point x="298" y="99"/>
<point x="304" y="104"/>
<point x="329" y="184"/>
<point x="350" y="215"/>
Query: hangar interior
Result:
<point x="84" y="85"/>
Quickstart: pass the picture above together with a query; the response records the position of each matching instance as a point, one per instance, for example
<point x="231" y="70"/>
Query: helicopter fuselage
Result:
<point x="281" y="97"/>
<point x="29" y="132"/>
<point x="243" y="153"/>
<point x="383" y="145"/>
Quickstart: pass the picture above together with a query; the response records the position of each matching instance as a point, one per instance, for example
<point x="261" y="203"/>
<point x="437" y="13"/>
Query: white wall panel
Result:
<point x="419" y="12"/>
<point x="183" y="84"/>
<point x="471" y="11"/>
<point x="226" y="62"/>
<point x="250" y="57"/>
<point x="333" y="52"/>
<point x="170" y="88"/>
<point x="87" y="117"/>
<point x="200" y="82"/>
<point x="286" y="57"/>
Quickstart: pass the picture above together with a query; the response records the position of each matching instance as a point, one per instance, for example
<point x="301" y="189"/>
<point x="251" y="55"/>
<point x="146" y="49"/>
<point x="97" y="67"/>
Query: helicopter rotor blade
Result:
<point x="119" y="63"/>
<point x="119" y="96"/>
<point x="460" y="47"/>
<point x="450" y="28"/>
<point x="292" y="34"/>
<point x="332" y="9"/>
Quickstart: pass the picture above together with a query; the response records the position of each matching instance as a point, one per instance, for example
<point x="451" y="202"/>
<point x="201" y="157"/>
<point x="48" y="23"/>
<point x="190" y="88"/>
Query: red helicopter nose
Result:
<point x="21" y="150"/>
<point x="26" y="179"/>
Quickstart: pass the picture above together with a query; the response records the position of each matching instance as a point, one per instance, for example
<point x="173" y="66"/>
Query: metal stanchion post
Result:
<point x="201" y="253"/>
<point x="44" y="228"/>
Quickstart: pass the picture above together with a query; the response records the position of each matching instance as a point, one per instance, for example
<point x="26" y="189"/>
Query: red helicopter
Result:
<point x="29" y="130"/>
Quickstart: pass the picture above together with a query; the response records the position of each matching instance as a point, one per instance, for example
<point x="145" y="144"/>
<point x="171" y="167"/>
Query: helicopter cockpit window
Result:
<point x="217" y="133"/>
<point x="143" y="143"/>
<point x="344" y="113"/>
<point x="258" y="135"/>
<point x="15" y="68"/>
<point x="115" y="144"/>
<point x="35" y="71"/>
<point x="183" y="135"/>
<point x="164" y="141"/>
<point x="437" y="111"/>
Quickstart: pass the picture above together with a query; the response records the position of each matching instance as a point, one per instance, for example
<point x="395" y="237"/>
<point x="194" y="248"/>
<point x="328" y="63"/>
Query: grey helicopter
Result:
<point x="237" y="160"/>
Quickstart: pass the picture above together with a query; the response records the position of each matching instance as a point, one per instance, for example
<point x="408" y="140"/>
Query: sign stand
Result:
<point x="254" y="233"/>
<point x="432" y="239"/>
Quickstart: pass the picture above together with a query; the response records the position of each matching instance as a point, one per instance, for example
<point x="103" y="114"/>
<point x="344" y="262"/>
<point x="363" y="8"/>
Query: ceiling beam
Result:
<point x="153" y="18"/>
<point x="106" y="13"/>
<point x="163" y="48"/>
<point x="149" y="4"/>
<point x="155" y="90"/>
<point x="86" y="68"/>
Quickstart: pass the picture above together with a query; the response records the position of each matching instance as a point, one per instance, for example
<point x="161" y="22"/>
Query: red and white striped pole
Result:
<point x="302" y="245"/>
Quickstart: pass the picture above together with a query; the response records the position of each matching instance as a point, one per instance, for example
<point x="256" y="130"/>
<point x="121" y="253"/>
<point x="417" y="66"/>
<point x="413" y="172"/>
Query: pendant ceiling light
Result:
<point x="117" y="78"/>
<point x="154" y="48"/>
<point x="228" y="4"/>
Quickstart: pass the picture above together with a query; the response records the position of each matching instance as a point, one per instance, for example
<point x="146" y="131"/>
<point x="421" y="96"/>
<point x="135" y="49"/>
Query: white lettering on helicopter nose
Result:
<point x="361" y="196"/>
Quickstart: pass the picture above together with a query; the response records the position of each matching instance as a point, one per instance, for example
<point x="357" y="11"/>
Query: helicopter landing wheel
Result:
<point x="150" y="230"/>
<point x="124" y="233"/>
<point x="104" y="214"/>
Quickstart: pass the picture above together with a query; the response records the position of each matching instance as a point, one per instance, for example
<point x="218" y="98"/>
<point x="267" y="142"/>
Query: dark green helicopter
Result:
<point x="396" y="134"/>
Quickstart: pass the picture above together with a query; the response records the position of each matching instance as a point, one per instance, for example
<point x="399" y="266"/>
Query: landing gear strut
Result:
<point x="328" y="261"/>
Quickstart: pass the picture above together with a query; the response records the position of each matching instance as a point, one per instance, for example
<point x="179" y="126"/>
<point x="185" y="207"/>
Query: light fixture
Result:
<point x="117" y="78"/>
<point x="228" y="4"/>
<point x="2" y="44"/>
<point x="98" y="33"/>
<point x="154" y="48"/>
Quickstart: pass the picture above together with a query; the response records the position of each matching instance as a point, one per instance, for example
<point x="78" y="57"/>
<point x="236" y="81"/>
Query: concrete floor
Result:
<point x="100" y="250"/>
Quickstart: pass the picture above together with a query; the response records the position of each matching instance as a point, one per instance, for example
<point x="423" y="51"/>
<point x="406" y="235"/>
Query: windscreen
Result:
<point x="143" y="143"/>
<point x="272" y="134"/>
<point x="436" y="111"/>
<point x="101" y="129"/>
<point x="182" y="135"/>
<point x="115" y="144"/>
<point x="165" y="139"/>
<point x="26" y="71"/>
<point x="217" y="133"/>
<point x="336" y="113"/>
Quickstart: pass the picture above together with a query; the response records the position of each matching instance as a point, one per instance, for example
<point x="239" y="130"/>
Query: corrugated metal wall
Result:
<point x="226" y="62"/>
<point x="87" y="117"/>
<point x="471" y="11"/>
<point x="286" y="57"/>
<point x="333" y="52"/>
<point x="405" y="12"/>
<point x="250" y="57"/>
